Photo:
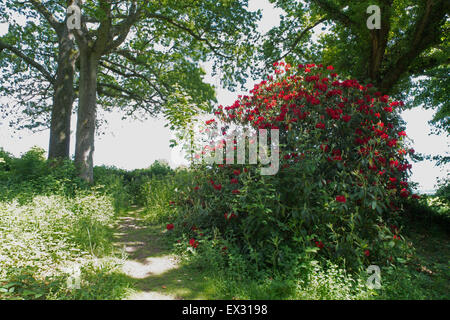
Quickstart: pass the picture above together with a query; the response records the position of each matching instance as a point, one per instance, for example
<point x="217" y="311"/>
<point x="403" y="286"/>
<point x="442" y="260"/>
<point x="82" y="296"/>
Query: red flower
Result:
<point x="404" y="193"/>
<point x="235" y="191"/>
<point x="319" y="244"/>
<point x="236" y="172"/>
<point x="402" y="134"/>
<point x="320" y="125"/>
<point x="392" y="143"/>
<point x="196" y="188"/>
<point x="217" y="187"/>
<point x="415" y="196"/>
<point x="169" y="226"/>
<point x="210" y="121"/>
<point x="324" y="147"/>
<point x="346" y="118"/>
<point x="366" y="253"/>
<point x="341" y="199"/>
<point x="230" y="216"/>
<point x="234" y="181"/>
<point x="193" y="243"/>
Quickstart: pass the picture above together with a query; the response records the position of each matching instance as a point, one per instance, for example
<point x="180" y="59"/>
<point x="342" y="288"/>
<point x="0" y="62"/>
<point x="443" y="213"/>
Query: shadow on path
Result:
<point x="156" y="274"/>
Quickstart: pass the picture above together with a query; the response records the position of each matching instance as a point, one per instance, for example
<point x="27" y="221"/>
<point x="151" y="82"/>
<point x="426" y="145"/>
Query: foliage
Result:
<point x="408" y="54"/>
<point x="157" y="70"/>
<point x="40" y="240"/>
<point x="432" y="91"/>
<point x="23" y="178"/>
<point x="342" y="156"/>
<point x="29" y="90"/>
<point x="130" y="187"/>
<point x="431" y="209"/>
<point x="221" y="270"/>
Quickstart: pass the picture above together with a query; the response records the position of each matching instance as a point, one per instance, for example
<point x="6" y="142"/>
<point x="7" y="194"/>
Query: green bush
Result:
<point x="40" y="239"/>
<point x="23" y="178"/>
<point x="342" y="179"/>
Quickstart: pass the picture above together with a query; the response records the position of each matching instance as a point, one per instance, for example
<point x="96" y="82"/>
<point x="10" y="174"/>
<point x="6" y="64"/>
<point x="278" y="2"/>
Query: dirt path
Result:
<point x="147" y="258"/>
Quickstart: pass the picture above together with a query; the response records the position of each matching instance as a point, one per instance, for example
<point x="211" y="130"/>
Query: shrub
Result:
<point x="342" y="178"/>
<point x="40" y="239"/>
<point x="31" y="174"/>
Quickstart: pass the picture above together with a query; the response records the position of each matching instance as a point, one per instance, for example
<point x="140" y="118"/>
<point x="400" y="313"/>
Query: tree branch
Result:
<point x="426" y="33"/>
<point x="300" y="36"/>
<point x="46" y="14"/>
<point x="125" y="26"/>
<point x="188" y="31"/>
<point x="335" y="13"/>
<point x="28" y="60"/>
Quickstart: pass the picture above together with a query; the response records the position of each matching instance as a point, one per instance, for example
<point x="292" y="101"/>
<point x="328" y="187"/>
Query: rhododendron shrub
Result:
<point x="343" y="172"/>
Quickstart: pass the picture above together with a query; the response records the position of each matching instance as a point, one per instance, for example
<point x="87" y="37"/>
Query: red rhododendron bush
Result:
<point x="341" y="181"/>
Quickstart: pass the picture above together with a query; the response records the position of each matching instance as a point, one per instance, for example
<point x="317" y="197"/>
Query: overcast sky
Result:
<point x="137" y="144"/>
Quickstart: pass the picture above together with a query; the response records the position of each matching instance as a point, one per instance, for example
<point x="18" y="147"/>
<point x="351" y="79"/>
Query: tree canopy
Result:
<point x="407" y="55"/>
<point x="144" y="56"/>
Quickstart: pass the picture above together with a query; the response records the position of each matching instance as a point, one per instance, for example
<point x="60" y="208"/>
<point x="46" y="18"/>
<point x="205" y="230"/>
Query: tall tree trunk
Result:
<point x="87" y="114"/>
<point x="59" y="145"/>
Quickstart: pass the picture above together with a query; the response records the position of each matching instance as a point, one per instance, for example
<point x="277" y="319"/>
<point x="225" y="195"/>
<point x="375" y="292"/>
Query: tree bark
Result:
<point x="87" y="114"/>
<point x="59" y="145"/>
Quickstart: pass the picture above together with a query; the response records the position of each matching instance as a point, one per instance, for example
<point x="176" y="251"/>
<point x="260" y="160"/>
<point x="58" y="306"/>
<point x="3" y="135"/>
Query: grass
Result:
<point x="202" y="274"/>
<point x="50" y="224"/>
<point x="43" y="240"/>
<point x="428" y="277"/>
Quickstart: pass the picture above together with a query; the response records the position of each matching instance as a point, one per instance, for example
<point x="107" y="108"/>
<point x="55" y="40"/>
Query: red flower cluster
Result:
<point x="337" y="135"/>
<point x="319" y="244"/>
<point x="193" y="243"/>
<point x="218" y="187"/>
<point x="230" y="216"/>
